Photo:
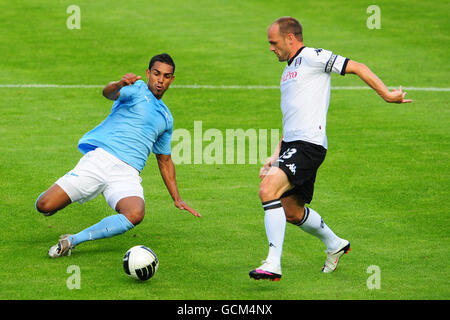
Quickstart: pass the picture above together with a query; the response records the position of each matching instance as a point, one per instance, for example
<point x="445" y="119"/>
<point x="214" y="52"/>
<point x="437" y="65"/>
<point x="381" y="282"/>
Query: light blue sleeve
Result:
<point x="163" y="144"/>
<point x="127" y="92"/>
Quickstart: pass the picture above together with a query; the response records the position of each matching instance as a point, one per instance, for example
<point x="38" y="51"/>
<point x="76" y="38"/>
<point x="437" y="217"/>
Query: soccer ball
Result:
<point x="140" y="262"/>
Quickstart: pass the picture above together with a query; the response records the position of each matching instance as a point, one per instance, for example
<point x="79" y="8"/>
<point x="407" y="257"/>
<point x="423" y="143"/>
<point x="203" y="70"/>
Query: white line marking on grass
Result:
<point x="206" y="86"/>
<point x="198" y="86"/>
<point x="50" y="86"/>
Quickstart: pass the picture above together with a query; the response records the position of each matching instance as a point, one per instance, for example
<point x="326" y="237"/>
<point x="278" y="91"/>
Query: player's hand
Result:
<point x="129" y="78"/>
<point x="180" y="204"/>
<point x="397" y="96"/>
<point x="265" y="169"/>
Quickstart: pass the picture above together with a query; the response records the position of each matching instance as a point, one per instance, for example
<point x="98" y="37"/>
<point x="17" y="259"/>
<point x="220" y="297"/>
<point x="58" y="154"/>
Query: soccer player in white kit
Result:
<point x="288" y="176"/>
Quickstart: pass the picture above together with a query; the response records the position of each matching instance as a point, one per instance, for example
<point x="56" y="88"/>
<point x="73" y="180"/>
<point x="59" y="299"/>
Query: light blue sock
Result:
<point x="106" y="228"/>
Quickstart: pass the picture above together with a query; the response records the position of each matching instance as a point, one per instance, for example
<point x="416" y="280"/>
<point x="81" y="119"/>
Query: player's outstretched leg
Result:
<point x="131" y="212"/>
<point x="313" y="224"/>
<point x="106" y="228"/>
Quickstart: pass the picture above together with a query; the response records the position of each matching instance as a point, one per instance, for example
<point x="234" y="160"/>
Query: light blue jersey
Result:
<point x="137" y="125"/>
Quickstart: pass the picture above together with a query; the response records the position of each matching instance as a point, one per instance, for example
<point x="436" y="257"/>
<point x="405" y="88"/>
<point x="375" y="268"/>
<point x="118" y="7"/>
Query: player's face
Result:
<point x="160" y="76"/>
<point x="278" y="44"/>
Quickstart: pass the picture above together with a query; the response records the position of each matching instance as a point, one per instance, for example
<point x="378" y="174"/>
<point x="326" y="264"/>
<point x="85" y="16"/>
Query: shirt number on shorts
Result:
<point x="288" y="153"/>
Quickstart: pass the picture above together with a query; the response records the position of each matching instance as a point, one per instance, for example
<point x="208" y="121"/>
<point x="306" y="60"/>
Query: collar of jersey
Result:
<point x="159" y="102"/>
<point x="295" y="55"/>
<point x="161" y="107"/>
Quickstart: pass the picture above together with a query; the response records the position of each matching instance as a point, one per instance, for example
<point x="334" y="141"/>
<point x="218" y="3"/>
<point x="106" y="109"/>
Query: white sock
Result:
<point x="275" y="222"/>
<point x="312" y="223"/>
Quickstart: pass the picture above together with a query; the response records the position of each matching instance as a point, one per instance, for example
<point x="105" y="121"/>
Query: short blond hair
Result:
<point x="290" y="25"/>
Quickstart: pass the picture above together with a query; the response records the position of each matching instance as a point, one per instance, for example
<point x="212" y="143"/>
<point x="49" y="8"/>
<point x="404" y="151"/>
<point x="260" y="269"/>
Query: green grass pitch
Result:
<point x="384" y="184"/>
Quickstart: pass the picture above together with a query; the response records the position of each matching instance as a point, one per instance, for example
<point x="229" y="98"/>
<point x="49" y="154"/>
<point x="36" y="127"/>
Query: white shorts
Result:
<point x="100" y="172"/>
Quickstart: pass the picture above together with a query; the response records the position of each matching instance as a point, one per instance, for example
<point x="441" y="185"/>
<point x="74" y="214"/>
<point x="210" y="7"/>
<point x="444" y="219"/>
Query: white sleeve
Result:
<point x="330" y="62"/>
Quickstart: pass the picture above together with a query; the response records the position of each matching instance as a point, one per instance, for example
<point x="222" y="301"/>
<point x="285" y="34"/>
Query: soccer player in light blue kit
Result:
<point x="114" y="154"/>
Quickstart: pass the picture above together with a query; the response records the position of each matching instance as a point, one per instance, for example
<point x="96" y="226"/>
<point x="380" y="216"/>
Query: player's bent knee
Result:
<point x="135" y="216"/>
<point x="133" y="208"/>
<point x="137" y="219"/>
<point x="44" y="206"/>
<point x="263" y="193"/>
<point x="52" y="200"/>
<point x="293" y="219"/>
<point x="293" y="209"/>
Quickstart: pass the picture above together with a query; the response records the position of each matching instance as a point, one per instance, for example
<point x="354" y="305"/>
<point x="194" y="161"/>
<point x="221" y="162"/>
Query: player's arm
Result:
<point x="112" y="89"/>
<point x="362" y="71"/>
<point x="167" y="170"/>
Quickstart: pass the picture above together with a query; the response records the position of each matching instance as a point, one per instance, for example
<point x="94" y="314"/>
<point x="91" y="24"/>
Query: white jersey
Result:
<point x="305" y="94"/>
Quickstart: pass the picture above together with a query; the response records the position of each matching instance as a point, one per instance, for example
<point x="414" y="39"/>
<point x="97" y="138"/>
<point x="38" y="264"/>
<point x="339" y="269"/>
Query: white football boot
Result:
<point x="62" y="248"/>
<point x="333" y="257"/>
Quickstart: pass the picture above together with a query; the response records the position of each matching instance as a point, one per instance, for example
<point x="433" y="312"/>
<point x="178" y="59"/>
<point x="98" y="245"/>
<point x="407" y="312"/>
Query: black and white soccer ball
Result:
<point x="140" y="262"/>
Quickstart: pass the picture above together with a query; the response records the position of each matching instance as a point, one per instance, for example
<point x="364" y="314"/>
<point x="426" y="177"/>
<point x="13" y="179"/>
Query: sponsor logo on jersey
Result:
<point x="290" y="75"/>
